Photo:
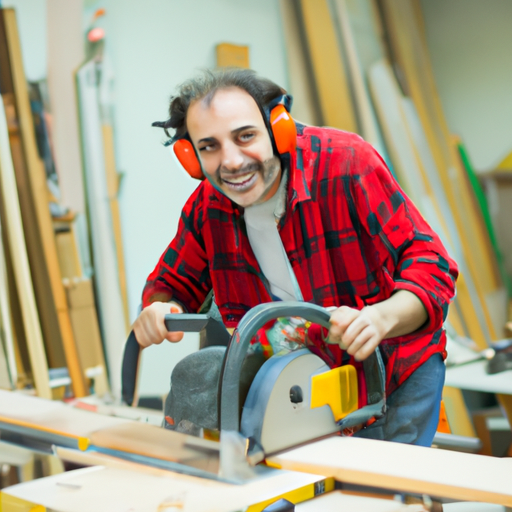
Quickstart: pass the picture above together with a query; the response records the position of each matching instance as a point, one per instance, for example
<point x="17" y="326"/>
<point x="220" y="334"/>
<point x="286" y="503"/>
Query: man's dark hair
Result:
<point x="205" y="85"/>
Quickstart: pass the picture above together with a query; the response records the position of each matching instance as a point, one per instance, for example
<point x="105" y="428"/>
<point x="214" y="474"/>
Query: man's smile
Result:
<point x="240" y="182"/>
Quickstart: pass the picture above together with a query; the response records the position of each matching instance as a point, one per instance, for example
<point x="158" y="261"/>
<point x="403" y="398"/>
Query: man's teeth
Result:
<point x="240" y="179"/>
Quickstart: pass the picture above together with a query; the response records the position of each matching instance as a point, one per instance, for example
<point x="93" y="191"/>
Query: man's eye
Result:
<point x="207" y="148"/>
<point x="246" y="136"/>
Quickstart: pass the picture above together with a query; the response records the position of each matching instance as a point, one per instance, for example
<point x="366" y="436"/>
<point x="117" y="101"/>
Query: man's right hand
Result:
<point x="149" y="328"/>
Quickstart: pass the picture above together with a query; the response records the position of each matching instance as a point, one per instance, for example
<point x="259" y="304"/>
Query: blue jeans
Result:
<point x="413" y="409"/>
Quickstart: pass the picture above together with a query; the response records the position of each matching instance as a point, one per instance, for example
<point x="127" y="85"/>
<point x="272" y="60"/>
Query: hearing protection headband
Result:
<point x="281" y="128"/>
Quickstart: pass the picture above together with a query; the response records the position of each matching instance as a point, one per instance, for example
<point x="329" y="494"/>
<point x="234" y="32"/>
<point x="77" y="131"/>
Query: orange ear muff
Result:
<point x="283" y="129"/>
<point x="186" y="155"/>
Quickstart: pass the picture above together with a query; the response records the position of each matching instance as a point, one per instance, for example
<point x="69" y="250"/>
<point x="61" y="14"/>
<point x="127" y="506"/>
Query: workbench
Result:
<point x="136" y="467"/>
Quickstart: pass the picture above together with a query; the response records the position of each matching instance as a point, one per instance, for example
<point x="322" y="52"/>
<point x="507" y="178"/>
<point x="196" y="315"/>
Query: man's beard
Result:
<point x="269" y="169"/>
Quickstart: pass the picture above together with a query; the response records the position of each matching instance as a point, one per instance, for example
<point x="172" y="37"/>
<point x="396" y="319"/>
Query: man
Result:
<point x="325" y="223"/>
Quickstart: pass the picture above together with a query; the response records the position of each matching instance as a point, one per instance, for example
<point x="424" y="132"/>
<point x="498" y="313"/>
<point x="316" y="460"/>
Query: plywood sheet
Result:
<point x="107" y="489"/>
<point x="415" y="469"/>
<point x="53" y="417"/>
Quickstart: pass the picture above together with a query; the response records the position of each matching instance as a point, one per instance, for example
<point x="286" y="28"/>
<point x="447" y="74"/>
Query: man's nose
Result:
<point x="232" y="158"/>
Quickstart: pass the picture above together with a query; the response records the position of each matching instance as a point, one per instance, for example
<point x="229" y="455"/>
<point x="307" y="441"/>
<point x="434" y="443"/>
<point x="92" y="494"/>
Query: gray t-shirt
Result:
<point x="261" y="221"/>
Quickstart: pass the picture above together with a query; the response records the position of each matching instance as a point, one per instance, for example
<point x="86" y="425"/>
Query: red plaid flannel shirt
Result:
<point x="349" y="231"/>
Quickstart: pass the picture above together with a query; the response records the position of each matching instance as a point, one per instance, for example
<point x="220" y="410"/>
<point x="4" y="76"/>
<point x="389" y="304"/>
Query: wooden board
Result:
<point x="108" y="290"/>
<point x="107" y="489"/>
<point x="327" y="62"/>
<point x="159" y="443"/>
<point x="84" y="319"/>
<point x="300" y="75"/>
<point x="13" y="225"/>
<point x="411" y="58"/>
<point x="5" y="373"/>
<point x="113" y="178"/>
<point x="362" y="103"/>
<point x="8" y="365"/>
<point x="396" y="466"/>
<point x="64" y="22"/>
<point x="53" y="417"/>
<point x="41" y="241"/>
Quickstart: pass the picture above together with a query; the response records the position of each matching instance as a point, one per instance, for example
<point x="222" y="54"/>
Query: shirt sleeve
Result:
<point x="182" y="272"/>
<point x="420" y="262"/>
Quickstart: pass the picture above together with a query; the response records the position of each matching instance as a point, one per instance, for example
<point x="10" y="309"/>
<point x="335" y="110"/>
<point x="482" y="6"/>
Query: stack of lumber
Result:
<point x="48" y="315"/>
<point x="370" y="73"/>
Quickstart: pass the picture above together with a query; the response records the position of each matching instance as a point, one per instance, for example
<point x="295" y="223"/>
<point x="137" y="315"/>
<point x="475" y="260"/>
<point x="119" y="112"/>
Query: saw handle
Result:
<point x="131" y="356"/>
<point x="257" y="317"/>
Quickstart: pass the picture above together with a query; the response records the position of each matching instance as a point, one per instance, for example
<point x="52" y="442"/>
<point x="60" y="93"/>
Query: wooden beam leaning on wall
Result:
<point x="113" y="180"/>
<point x="411" y="58"/>
<point x="37" y="220"/>
<point x="332" y="85"/>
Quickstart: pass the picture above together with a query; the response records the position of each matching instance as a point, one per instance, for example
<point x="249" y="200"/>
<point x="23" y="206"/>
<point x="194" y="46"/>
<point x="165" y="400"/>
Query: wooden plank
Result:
<point x="362" y="103"/>
<point x="113" y="178"/>
<point x="44" y="419"/>
<point x="84" y="319"/>
<point x="37" y="189"/>
<point x="5" y="371"/>
<point x="412" y="60"/>
<point x="8" y="365"/>
<point x="13" y="225"/>
<point x="328" y="66"/>
<point x="109" y="298"/>
<point x="64" y="22"/>
<point x="45" y="307"/>
<point x="69" y="260"/>
<point x="106" y="489"/>
<point x="397" y="466"/>
<point x="21" y="354"/>
<point x="300" y="75"/>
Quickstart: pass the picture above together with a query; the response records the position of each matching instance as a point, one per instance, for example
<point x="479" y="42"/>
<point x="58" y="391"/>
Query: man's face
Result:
<point x="234" y="146"/>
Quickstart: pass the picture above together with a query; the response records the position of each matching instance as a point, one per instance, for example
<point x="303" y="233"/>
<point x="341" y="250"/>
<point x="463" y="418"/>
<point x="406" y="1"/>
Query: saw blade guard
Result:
<point x="257" y="317"/>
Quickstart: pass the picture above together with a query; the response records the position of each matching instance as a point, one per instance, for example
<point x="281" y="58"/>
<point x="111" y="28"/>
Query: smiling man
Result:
<point x="322" y="221"/>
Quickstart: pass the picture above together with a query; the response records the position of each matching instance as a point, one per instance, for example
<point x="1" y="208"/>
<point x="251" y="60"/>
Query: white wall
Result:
<point x="152" y="47"/>
<point x="470" y="43"/>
